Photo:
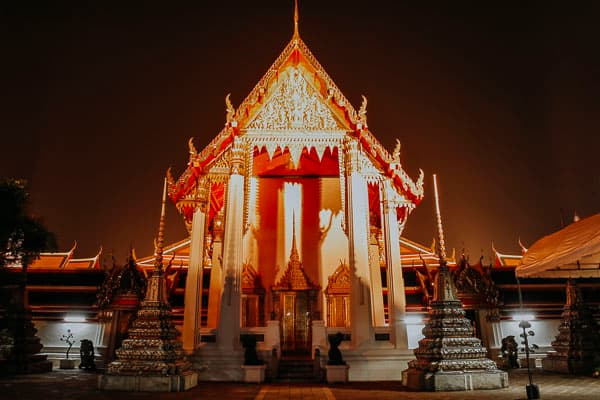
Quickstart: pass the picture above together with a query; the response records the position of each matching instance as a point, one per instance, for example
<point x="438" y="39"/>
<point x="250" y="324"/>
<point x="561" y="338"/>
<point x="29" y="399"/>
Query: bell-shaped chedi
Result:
<point x="151" y="358"/>
<point x="449" y="357"/>
<point x="577" y="342"/>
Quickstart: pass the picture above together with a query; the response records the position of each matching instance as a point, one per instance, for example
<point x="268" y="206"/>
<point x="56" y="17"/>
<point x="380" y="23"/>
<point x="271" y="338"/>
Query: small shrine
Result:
<point x="294" y="302"/>
<point x="151" y="358"/>
<point x="118" y="300"/>
<point x="450" y="357"/>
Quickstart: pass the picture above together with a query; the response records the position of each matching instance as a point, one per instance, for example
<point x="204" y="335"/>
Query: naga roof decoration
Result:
<point x="296" y="93"/>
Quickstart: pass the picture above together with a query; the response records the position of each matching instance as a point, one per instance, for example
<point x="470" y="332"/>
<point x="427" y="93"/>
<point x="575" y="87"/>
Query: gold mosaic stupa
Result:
<point x="151" y="358"/>
<point x="450" y="357"/>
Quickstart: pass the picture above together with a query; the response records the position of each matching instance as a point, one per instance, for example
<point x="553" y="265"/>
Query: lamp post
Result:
<point x="533" y="390"/>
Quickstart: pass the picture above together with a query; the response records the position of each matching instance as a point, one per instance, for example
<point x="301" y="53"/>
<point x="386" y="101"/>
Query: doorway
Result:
<point x="296" y="321"/>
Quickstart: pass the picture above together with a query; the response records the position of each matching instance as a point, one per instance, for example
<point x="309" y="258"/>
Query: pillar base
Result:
<point x="254" y="373"/>
<point x="337" y="373"/>
<point x="565" y="366"/>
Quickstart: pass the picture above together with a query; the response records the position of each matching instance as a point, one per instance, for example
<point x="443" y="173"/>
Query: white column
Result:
<point x="228" y="332"/>
<point x="358" y="239"/>
<point x="193" y="284"/>
<point x="216" y="275"/>
<point x="396" y="294"/>
<point x="376" y="285"/>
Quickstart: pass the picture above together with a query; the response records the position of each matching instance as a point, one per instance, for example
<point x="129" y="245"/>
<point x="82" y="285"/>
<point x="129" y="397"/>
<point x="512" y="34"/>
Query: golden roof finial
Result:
<point x="442" y="243"/>
<point x="294" y="256"/>
<point x="296" y="34"/>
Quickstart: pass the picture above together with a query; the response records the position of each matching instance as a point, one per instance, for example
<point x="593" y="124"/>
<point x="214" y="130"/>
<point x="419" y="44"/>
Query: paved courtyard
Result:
<point x="72" y="385"/>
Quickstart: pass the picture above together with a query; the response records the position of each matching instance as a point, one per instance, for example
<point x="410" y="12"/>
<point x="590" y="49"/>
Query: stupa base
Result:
<point x="141" y="383"/>
<point x="565" y="366"/>
<point x="447" y="381"/>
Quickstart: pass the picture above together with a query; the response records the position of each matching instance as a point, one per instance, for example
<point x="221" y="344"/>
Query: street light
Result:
<point x="533" y="390"/>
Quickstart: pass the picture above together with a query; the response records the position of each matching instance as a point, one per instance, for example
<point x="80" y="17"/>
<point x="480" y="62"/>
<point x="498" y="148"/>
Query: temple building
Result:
<point x="295" y="213"/>
<point x="296" y="209"/>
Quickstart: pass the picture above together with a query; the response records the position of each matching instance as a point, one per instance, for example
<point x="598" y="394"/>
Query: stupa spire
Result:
<point x="444" y="289"/>
<point x="160" y="240"/>
<point x="438" y="214"/>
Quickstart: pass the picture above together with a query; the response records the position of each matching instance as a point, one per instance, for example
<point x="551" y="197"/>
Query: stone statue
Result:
<point x="250" y="354"/>
<point x="86" y="352"/>
<point x="335" y="355"/>
<point x="510" y="353"/>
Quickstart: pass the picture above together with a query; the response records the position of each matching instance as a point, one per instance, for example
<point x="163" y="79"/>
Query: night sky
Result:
<point x="502" y="101"/>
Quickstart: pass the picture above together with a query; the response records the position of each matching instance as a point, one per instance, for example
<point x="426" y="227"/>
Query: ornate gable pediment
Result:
<point x="339" y="282"/>
<point x="294" y="277"/>
<point x="250" y="279"/>
<point x="294" y="104"/>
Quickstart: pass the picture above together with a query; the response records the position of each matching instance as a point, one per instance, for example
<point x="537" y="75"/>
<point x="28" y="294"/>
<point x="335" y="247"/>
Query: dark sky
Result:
<point x="500" y="100"/>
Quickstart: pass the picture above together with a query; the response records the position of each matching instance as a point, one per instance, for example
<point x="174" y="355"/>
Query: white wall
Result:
<point x="545" y="331"/>
<point x="50" y="333"/>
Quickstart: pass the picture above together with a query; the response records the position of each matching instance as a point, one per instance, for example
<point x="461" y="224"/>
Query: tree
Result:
<point x="22" y="237"/>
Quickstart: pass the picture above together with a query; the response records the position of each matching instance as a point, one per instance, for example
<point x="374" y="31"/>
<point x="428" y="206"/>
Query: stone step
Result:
<point x="296" y="370"/>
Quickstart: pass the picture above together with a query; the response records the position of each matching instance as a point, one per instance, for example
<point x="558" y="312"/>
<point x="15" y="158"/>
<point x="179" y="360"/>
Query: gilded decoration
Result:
<point x="294" y="277"/>
<point x="338" y="297"/>
<point x="477" y="280"/>
<point x="250" y="278"/>
<point x="339" y="281"/>
<point x="294" y="105"/>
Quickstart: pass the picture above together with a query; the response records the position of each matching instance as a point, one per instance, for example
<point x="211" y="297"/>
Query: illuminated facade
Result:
<point x="297" y="210"/>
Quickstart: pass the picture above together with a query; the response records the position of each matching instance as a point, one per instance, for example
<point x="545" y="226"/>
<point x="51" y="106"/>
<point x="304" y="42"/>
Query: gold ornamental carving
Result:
<point x="294" y="105"/>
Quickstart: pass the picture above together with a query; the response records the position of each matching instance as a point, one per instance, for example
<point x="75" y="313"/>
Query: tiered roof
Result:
<point x="339" y="114"/>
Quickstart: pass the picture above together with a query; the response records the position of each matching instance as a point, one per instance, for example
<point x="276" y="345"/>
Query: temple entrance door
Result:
<point x="296" y="323"/>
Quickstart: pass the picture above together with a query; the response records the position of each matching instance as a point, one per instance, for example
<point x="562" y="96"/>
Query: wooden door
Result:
<point x="295" y="322"/>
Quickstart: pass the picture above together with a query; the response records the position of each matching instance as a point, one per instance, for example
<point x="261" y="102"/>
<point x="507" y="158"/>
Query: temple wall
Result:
<point x="414" y="333"/>
<point x="545" y="331"/>
<point x="50" y="333"/>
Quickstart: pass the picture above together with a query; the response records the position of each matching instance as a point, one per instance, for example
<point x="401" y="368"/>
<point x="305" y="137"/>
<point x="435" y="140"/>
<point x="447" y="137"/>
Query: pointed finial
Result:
<point x="442" y="244"/>
<point x="294" y="252"/>
<point x="296" y="34"/>
<point x="523" y="248"/>
<point x="161" y="229"/>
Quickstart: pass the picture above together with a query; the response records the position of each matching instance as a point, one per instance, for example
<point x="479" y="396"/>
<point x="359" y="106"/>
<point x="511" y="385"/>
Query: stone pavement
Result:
<point x="75" y="384"/>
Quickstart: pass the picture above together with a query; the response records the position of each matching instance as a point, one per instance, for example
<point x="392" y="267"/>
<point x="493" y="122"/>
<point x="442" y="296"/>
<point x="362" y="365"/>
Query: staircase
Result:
<point x="298" y="370"/>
